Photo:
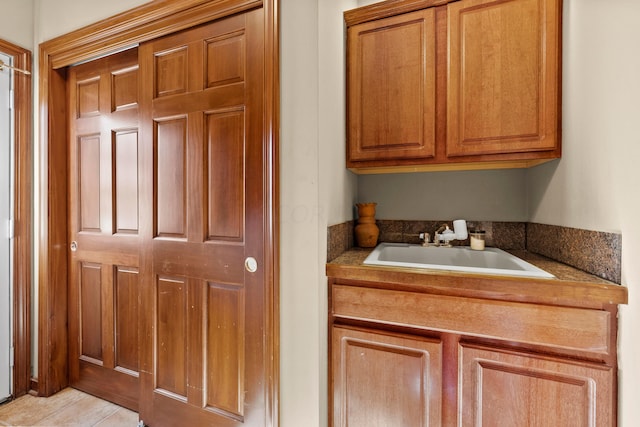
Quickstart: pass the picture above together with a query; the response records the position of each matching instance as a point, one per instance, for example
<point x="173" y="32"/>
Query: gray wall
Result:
<point x="498" y="195"/>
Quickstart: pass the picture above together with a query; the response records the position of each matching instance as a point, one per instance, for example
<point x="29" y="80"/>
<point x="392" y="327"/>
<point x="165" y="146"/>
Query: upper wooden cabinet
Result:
<point x="392" y="88"/>
<point x="444" y="85"/>
<point x="503" y="80"/>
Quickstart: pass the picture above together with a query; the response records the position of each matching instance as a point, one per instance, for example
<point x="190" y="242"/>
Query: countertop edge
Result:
<point x="587" y="291"/>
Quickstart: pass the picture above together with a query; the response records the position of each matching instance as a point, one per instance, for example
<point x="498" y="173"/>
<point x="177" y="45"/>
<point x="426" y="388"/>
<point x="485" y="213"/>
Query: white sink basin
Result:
<point x="457" y="258"/>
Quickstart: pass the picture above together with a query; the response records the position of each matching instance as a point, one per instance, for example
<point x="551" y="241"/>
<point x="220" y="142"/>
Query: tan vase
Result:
<point x="367" y="231"/>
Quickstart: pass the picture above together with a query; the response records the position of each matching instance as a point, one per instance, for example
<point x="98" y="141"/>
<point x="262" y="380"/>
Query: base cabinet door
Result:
<point x="502" y="388"/>
<point x="385" y="380"/>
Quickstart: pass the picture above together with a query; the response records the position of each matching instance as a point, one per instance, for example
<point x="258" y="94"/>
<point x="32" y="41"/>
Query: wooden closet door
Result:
<point x="203" y="347"/>
<point x="104" y="228"/>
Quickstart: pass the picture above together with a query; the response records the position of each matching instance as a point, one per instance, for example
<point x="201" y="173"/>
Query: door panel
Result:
<point x="225" y="147"/>
<point x="89" y="198"/>
<point x="172" y="330"/>
<point x="225" y="347"/>
<point x="170" y="176"/>
<point x="91" y="306"/>
<point x="127" y="282"/>
<point x="125" y="154"/>
<point x="203" y="357"/>
<point x="103" y="223"/>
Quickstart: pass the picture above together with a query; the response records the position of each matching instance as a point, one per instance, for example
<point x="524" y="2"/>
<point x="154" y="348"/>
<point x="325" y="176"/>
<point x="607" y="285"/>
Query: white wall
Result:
<point x="596" y="184"/>
<point x="338" y="186"/>
<point x="57" y="17"/>
<point x="316" y="191"/>
<point x="301" y="356"/>
<point x="16" y="25"/>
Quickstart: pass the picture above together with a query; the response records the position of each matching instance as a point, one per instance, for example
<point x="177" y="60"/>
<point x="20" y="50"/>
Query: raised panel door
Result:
<point x="104" y="222"/>
<point x="391" y="78"/>
<point x="382" y="380"/>
<point x="204" y="353"/>
<point x="503" y="388"/>
<point x="503" y="76"/>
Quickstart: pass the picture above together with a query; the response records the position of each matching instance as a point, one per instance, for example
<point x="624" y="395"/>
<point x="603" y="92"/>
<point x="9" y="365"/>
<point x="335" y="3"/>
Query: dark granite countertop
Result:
<point x="563" y="272"/>
<point x="570" y="287"/>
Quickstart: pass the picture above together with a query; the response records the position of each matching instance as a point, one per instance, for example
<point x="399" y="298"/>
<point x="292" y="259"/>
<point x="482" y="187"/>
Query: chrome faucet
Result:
<point x="444" y="235"/>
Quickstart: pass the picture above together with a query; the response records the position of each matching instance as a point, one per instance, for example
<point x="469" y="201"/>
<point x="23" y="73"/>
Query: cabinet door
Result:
<point x="504" y="76"/>
<point x="384" y="380"/>
<point x="391" y="72"/>
<point x="500" y="388"/>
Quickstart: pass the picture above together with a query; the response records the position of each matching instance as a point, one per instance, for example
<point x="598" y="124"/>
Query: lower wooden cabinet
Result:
<point x="385" y="380"/>
<point x="408" y="355"/>
<point x="500" y="388"/>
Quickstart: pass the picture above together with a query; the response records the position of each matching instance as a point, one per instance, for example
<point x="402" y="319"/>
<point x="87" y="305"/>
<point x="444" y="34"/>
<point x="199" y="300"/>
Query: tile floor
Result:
<point x="69" y="407"/>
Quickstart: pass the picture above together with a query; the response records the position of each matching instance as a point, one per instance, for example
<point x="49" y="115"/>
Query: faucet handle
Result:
<point x="424" y="238"/>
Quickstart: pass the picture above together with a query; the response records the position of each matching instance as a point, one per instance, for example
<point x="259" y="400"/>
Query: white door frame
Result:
<point x="21" y="178"/>
<point x="6" y="232"/>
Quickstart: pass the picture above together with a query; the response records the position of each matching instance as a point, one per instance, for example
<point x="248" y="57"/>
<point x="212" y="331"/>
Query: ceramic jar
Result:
<point x="366" y="230"/>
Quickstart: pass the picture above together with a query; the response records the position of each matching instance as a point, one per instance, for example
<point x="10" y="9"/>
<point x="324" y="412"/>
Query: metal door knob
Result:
<point x="251" y="264"/>
<point x="74" y="246"/>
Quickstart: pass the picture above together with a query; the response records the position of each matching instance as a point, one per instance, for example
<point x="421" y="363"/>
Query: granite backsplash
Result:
<point x="595" y="252"/>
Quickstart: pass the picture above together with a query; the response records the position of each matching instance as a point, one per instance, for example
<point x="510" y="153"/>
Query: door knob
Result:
<point x="74" y="246"/>
<point x="251" y="264"/>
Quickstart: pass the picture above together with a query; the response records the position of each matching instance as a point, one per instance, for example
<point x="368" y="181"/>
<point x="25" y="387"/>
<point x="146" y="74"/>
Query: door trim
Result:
<point x="22" y="213"/>
<point x="125" y="30"/>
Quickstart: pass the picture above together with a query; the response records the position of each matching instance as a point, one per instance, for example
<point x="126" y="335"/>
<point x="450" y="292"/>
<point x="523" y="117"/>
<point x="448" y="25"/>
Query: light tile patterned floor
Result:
<point x="67" y="408"/>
